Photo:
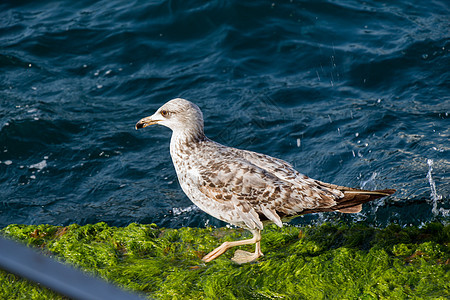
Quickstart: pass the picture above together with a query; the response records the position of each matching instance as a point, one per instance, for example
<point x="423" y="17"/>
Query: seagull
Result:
<point x="244" y="188"/>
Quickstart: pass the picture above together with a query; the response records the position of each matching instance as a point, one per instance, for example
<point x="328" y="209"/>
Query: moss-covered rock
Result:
<point x="327" y="261"/>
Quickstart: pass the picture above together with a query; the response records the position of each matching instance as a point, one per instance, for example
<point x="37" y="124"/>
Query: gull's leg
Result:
<point x="227" y="245"/>
<point x="242" y="257"/>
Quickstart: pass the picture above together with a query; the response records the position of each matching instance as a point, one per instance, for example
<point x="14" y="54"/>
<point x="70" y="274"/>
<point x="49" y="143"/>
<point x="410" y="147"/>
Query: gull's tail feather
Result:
<point x="352" y="201"/>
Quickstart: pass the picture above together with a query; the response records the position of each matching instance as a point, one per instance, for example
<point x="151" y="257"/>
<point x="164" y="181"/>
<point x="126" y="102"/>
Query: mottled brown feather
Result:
<point x="244" y="187"/>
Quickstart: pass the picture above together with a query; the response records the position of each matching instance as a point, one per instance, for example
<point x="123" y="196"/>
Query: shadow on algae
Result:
<point x="324" y="262"/>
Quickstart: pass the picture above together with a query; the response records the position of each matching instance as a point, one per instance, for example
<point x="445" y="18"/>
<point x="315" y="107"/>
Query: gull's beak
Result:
<point x="146" y="122"/>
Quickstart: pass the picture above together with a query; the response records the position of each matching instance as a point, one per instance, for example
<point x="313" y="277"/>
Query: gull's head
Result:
<point x="177" y="114"/>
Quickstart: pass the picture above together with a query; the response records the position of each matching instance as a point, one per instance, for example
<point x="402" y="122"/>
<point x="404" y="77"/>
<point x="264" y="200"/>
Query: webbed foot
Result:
<point x="242" y="257"/>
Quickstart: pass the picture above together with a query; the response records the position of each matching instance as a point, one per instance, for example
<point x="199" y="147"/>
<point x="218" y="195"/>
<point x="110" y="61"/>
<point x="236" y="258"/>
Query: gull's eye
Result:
<point x="164" y="113"/>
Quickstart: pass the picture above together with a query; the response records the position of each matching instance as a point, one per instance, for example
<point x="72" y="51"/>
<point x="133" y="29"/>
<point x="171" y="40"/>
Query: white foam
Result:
<point x="178" y="211"/>
<point x="39" y="166"/>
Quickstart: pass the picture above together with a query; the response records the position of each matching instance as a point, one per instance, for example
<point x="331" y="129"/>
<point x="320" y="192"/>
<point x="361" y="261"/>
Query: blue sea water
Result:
<point x="356" y="93"/>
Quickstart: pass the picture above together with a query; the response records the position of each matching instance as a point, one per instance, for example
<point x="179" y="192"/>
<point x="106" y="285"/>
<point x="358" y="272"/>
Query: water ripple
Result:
<point x="350" y="92"/>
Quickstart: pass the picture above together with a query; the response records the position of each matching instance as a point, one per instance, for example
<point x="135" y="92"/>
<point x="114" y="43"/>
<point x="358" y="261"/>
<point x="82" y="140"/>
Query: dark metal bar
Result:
<point x="63" y="279"/>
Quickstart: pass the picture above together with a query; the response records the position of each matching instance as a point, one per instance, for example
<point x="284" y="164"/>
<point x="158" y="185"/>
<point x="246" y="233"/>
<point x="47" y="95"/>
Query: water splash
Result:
<point x="435" y="197"/>
<point x="369" y="181"/>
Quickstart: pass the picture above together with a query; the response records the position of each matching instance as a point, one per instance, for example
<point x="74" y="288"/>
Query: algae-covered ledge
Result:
<point x="328" y="261"/>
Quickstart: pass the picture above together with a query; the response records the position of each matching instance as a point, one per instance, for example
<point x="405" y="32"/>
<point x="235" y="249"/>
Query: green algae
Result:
<point x="335" y="261"/>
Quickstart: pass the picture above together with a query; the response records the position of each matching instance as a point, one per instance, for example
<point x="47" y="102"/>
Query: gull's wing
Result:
<point x="262" y="187"/>
<point x="256" y="192"/>
<point x="349" y="200"/>
<point x="286" y="171"/>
